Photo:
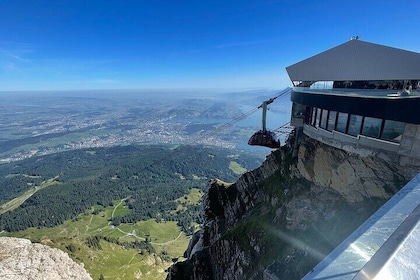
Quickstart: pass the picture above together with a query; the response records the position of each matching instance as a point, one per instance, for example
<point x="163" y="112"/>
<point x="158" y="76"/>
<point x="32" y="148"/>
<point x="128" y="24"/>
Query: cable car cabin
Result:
<point x="264" y="138"/>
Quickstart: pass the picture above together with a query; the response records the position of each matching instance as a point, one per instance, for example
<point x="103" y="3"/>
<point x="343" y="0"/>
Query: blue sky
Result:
<point x="104" y="44"/>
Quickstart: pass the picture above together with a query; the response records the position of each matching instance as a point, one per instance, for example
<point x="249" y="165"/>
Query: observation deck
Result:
<point x="363" y="98"/>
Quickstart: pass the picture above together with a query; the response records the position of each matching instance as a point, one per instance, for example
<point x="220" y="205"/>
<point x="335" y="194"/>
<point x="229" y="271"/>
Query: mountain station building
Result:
<point x="360" y="97"/>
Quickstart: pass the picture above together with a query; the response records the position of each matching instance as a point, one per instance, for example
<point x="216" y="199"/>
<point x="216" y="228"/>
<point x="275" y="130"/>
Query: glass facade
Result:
<point x="371" y="127"/>
<point x="342" y="122"/>
<point x="392" y="131"/>
<point x="332" y="118"/>
<point x="324" y="119"/>
<point x="357" y="125"/>
<point x="317" y="116"/>
<point x="313" y="117"/>
<point x="354" y="125"/>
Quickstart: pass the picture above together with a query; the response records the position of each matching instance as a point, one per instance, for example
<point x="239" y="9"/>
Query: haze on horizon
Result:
<point x="233" y="45"/>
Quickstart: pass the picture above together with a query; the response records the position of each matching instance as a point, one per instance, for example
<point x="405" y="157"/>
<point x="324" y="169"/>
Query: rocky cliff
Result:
<point x="279" y="220"/>
<point x="21" y="259"/>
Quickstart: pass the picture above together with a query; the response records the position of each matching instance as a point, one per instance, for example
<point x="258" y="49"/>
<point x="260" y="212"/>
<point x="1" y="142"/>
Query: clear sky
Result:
<point x="221" y="44"/>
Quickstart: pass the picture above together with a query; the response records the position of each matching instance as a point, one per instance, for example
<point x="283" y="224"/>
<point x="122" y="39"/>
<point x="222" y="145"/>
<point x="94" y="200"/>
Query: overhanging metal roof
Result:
<point x="358" y="60"/>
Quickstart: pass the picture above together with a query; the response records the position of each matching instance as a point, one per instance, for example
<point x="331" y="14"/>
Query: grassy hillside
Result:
<point x="125" y="212"/>
<point x="115" y="261"/>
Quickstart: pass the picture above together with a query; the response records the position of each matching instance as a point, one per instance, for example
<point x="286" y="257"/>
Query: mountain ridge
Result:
<point x="279" y="220"/>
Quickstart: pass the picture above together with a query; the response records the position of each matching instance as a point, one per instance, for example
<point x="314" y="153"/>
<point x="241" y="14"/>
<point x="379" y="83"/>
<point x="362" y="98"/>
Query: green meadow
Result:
<point x="117" y="210"/>
<point x="115" y="261"/>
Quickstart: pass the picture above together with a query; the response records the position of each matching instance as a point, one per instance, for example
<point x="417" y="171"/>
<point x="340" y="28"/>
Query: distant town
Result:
<point x="39" y="124"/>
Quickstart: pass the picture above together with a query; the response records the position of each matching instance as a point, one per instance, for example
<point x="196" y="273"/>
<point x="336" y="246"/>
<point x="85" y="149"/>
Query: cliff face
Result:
<point x="279" y="220"/>
<point x="21" y="259"/>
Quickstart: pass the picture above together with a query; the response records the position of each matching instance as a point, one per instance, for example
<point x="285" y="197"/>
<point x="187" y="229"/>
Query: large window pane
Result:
<point x="313" y="118"/>
<point x="331" y="120"/>
<point x="342" y="122"/>
<point x="318" y="116"/>
<point x="322" y="85"/>
<point x="354" y="125"/>
<point x="392" y="131"/>
<point x="324" y="119"/>
<point x="371" y="127"/>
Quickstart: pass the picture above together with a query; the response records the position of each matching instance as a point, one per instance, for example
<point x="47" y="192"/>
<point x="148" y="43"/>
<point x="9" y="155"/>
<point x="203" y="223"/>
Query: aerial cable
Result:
<point x="218" y="129"/>
<point x="225" y="126"/>
<point x="240" y="117"/>
<point x="176" y="152"/>
<point x="284" y="127"/>
<point x="281" y="94"/>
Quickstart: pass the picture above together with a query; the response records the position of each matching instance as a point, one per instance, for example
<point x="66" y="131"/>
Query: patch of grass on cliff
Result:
<point x="273" y="185"/>
<point x="281" y="179"/>
<point x="259" y="228"/>
<point x="284" y="187"/>
<point x="242" y="232"/>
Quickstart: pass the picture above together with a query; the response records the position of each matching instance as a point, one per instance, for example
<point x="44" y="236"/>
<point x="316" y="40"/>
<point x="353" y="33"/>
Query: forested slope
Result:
<point x="149" y="178"/>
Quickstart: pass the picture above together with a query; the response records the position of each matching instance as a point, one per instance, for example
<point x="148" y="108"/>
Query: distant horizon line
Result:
<point x="156" y="89"/>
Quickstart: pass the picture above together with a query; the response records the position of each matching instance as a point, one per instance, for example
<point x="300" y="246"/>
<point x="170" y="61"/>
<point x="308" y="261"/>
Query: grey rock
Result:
<point x="20" y="259"/>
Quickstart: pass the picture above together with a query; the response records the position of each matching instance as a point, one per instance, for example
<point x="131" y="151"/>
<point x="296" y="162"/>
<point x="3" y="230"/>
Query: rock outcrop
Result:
<point x="355" y="178"/>
<point x="279" y="220"/>
<point x="20" y="260"/>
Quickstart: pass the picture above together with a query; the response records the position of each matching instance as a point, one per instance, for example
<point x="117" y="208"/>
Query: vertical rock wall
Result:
<point x="279" y="220"/>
